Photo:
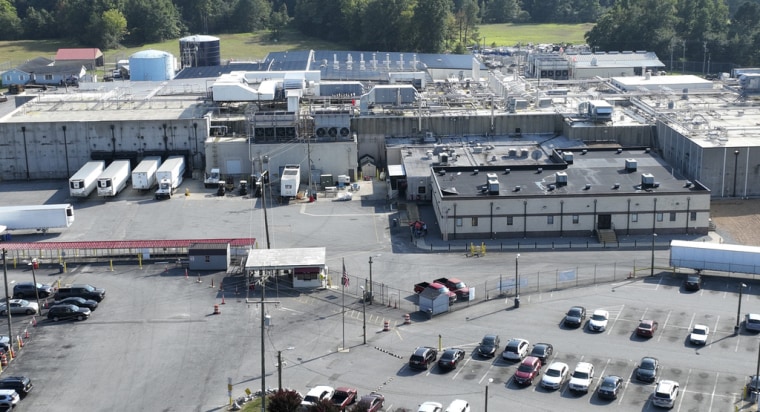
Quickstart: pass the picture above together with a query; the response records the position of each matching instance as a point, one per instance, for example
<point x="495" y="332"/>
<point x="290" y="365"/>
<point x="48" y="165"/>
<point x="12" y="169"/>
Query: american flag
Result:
<point x="344" y="280"/>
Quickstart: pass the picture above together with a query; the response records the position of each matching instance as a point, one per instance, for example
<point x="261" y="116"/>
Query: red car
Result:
<point x="371" y="403"/>
<point x="646" y="328"/>
<point x="528" y="370"/>
<point x="343" y="397"/>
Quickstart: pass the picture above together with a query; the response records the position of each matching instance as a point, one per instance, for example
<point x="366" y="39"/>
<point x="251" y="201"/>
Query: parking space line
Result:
<point x="487" y="372"/>
<point x="680" y="400"/>
<point x="644" y="315"/>
<point x="738" y="339"/>
<point x="665" y="325"/>
<point x="622" y="393"/>
<point x="599" y="380"/>
<point x="691" y="323"/>
<point x="715" y="385"/>
<point x="715" y="329"/>
<point x="616" y="319"/>
<point x="461" y="368"/>
<point x="659" y="281"/>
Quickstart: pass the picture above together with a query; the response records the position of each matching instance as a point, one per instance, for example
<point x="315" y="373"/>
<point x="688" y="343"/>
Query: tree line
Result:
<point x="724" y="30"/>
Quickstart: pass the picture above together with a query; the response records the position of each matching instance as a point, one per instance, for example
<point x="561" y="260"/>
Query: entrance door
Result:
<point x="604" y="222"/>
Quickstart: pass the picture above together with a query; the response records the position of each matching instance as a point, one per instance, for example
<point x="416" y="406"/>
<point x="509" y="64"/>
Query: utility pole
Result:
<point x="7" y="299"/>
<point x="371" y="295"/>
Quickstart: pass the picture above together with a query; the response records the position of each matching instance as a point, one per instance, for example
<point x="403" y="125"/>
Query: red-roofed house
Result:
<point x="89" y="58"/>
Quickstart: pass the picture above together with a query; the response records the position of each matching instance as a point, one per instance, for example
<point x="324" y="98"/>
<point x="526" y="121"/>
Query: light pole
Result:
<point x="651" y="271"/>
<point x="364" y="312"/>
<point x="517" y="281"/>
<point x="371" y="296"/>
<point x="36" y="290"/>
<point x="736" y="164"/>
<point x="739" y="308"/>
<point x="485" y="409"/>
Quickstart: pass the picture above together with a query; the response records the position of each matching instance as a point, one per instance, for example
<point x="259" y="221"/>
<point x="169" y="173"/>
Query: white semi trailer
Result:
<point x="290" y="181"/>
<point x="169" y="176"/>
<point x="84" y="181"/>
<point x="144" y="175"/>
<point x="114" y="178"/>
<point x="36" y="217"/>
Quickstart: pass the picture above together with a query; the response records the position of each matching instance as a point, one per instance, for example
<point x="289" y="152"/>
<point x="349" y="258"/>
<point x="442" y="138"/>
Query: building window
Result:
<point x="509" y="221"/>
<point x="576" y="219"/>
<point x="672" y="216"/>
<point x="207" y="259"/>
<point x="421" y="190"/>
<point x="693" y="216"/>
<point x="660" y="216"/>
<point x="550" y="220"/>
<point x="474" y="221"/>
<point x="459" y="221"/>
<point x="48" y="77"/>
<point x="634" y="217"/>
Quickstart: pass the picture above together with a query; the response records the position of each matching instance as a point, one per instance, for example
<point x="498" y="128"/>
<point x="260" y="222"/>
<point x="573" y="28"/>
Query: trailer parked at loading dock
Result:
<point x="84" y="181"/>
<point x="114" y="178"/>
<point x="290" y="181"/>
<point x="169" y="176"/>
<point x="144" y="175"/>
<point x="36" y="217"/>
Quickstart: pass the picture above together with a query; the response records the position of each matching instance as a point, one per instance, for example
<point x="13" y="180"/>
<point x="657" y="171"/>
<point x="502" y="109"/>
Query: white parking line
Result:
<point x="680" y="398"/>
<point x="644" y="315"/>
<point x="665" y="325"/>
<point x="691" y="323"/>
<point x="659" y="281"/>
<point x="616" y="319"/>
<point x="715" y="329"/>
<point x="599" y="379"/>
<point x="486" y="374"/>
<point x="622" y="392"/>
<point x="712" y="397"/>
<point x="461" y="368"/>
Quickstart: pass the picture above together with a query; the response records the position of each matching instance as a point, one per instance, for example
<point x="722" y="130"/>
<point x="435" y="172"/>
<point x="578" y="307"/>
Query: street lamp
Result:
<point x="517" y="281"/>
<point x="364" y="312"/>
<point x="36" y="290"/>
<point x="651" y="271"/>
<point x="736" y="164"/>
<point x="371" y="295"/>
<point x="739" y="309"/>
<point x="485" y="409"/>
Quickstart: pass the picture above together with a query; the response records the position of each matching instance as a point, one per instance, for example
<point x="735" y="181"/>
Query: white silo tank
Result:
<point x="151" y="65"/>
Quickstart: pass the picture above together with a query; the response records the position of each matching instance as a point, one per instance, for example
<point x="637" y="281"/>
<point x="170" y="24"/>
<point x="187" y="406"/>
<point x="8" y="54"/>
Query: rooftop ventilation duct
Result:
<point x="616" y="186"/>
<point x="587" y="187"/>
<point x="567" y="157"/>
<point x="647" y="181"/>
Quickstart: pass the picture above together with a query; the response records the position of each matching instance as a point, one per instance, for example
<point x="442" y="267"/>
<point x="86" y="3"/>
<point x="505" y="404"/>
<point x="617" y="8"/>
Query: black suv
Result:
<point x="21" y="384"/>
<point x="25" y="290"/>
<point x="61" y="312"/>
<point x="423" y="357"/>
<point x="80" y="291"/>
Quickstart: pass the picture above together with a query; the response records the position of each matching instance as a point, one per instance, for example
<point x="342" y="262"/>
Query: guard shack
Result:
<point x="304" y="266"/>
<point x="208" y="256"/>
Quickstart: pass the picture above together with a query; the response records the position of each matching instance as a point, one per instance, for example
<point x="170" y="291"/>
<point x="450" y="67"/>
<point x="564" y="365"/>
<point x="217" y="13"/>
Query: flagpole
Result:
<point x="343" y="295"/>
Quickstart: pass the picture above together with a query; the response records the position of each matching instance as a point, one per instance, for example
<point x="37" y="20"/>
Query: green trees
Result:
<point x="10" y="24"/>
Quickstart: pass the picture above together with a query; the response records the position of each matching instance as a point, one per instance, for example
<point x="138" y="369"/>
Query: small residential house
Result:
<point x="44" y="71"/>
<point x="90" y="58"/>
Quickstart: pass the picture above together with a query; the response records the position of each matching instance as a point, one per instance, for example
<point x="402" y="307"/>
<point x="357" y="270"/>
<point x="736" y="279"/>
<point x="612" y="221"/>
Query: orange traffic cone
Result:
<point x="26" y="333"/>
<point x="20" y="342"/>
<point x="34" y="321"/>
<point x="222" y="299"/>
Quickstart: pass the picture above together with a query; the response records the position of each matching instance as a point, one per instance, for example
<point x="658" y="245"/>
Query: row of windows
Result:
<point x="577" y="218"/>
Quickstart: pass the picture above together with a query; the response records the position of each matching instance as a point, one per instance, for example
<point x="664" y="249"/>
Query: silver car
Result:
<point x="19" y="307"/>
<point x="752" y="322"/>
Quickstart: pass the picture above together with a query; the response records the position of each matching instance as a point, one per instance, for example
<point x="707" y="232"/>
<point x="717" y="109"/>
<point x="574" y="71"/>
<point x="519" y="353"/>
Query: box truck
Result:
<point x="37" y="217"/>
<point x="144" y="175"/>
<point x="290" y="181"/>
<point x="169" y="176"/>
<point x="84" y="181"/>
<point x="114" y="178"/>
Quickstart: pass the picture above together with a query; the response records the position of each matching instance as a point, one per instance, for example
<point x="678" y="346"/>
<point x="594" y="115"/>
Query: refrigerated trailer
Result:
<point x="84" y="181"/>
<point x="715" y="256"/>
<point x="144" y="175"/>
<point x="37" y="217"/>
<point x="290" y="181"/>
<point x="169" y="176"/>
<point x="114" y="178"/>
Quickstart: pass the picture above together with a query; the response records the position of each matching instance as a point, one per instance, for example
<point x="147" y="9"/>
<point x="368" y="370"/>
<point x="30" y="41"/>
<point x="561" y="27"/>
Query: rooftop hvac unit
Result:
<point x="539" y="170"/>
<point x="567" y="157"/>
<point x="587" y="187"/>
<point x="619" y="150"/>
<point x="560" y="179"/>
<point x="444" y="158"/>
<point x="493" y="184"/>
<point x="631" y="165"/>
<point x="616" y="186"/>
<point x="507" y="171"/>
<point x="647" y="181"/>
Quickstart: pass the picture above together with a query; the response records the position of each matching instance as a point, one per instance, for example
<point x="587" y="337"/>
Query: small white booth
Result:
<point x="305" y="266"/>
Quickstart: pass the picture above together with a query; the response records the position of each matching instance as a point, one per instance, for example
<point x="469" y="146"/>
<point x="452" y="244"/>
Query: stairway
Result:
<point x="606" y="236"/>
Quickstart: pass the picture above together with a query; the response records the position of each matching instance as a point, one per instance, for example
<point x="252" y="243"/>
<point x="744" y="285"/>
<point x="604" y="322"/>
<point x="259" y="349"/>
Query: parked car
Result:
<point x="23" y="290"/>
<point x="693" y="282"/>
<point x="450" y="358"/>
<point x="344" y="396"/>
<point x="528" y="370"/>
<point x="19" y="307"/>
<point x="582" y="377"/>
<point x="489" y="345"/>
<point x="665" y="394"/>
<point x="9" y="398"/>
<point x="371" y="403"/>
<point x="647" y="369"/>
<point x="698" y="335"/>
<point x="598" y="321"/>
<point x="647" y="328"/>
<point x="575" y="316"/>
<point x="21" y="384"/>
<point x="752" y="322"/>
<point x="610" y="387"/>
<point x="318" y="394"/>
<point x="430" y="407"/>
<point x="81" y="302"/>
<point x="543" y="351"/>
<point x="516" y="349"/>
<point x="422" y="357"/>
<point x="458" y="405"/>
<point x="81" y="291"/>
<point x="63" y="312"/>
<point x="555" y="375"/>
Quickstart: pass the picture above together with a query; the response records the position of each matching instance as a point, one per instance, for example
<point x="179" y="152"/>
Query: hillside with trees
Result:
<point x="688" y="30"/>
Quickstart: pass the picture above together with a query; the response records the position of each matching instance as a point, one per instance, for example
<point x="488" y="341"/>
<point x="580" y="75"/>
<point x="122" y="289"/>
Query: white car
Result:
<point x="582" y="377"/>
<point x="20" y="307"/>
<point x="699" y="334"/>
<point x="317" y="394"/>
<point x="598" y="321"/>
<point x="555" y="375"/>
<point x="665" y="394"/>
<point x="430" y="407"/>
<point x="458" y="405"/>
<point x="516" y="349"/>
<point x="9" y="398"/>
<point x="752" y="322"/>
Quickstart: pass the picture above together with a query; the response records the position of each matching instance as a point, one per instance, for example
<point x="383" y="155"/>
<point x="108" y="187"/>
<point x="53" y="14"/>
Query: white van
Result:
<point x="458" y="405"/>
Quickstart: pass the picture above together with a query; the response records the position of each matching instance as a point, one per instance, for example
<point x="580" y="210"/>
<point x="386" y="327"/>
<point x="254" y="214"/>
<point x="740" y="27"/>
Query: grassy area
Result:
<point x="252" y="46"/>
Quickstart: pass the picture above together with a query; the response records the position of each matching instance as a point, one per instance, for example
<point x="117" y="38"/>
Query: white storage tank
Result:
<point x="151" y="65"/>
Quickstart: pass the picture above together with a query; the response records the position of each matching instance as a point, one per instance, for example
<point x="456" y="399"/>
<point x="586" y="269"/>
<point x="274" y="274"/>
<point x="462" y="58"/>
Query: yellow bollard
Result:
<point x="59" y="283"/>
<point x="111" y="264"/>
<point x="64" y="268"/>
<point x="483" y="249"/>
<point x="187" y="191"/>
<point x="139" y="260"/>
<point x="440" y="343"/>
<point x="472" y="249"/>
<point x="14" y="263"/>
